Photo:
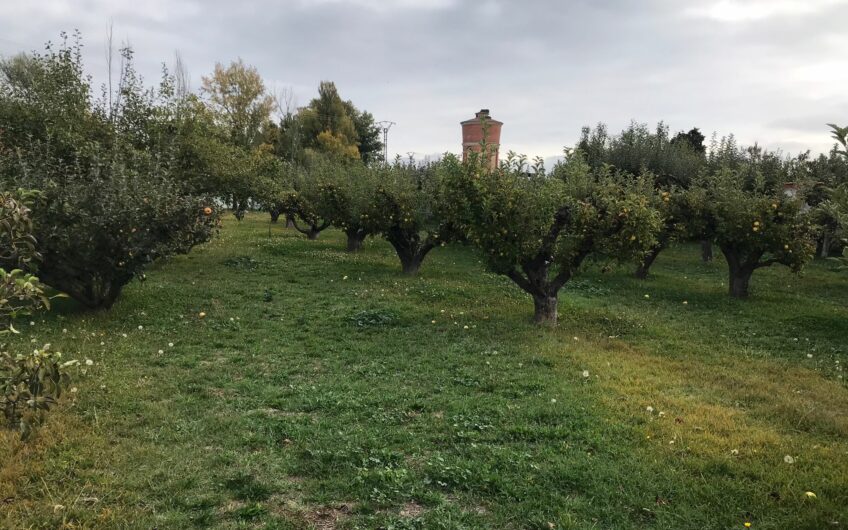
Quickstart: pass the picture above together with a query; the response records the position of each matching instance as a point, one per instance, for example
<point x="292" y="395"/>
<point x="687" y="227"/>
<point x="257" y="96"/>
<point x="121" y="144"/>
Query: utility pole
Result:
<point x="385" y="126"/>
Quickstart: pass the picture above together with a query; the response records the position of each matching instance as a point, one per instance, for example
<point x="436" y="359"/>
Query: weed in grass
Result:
<point x="245" y="263"/>
<point x="374" y="318"/>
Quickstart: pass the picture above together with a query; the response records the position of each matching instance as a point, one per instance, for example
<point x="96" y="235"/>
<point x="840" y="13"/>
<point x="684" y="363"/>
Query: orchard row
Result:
<point x="117" y="182"/>
<point x="539" y="227"/>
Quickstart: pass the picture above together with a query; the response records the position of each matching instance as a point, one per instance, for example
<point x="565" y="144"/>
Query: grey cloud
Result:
<point x="544" y="67"/>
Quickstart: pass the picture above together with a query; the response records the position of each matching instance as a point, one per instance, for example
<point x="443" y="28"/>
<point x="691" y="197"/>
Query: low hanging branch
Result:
<point x="313" y="227"/>
<point x="296" y="206"/>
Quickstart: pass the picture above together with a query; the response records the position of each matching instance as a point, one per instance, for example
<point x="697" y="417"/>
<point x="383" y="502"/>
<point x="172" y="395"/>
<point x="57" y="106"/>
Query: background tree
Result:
<point x="48" y="96"/>
<point x="825" y="177"/>
<point x="638" y="148"/>
<point x="675" y="207"/>
<point x="241" y="108"/>
<point x="538" y="229"/>
<point x="368" y="134"/>
<point x="835" y="207"/>
<point x="674" y="163"/>
<point x="348" y="198"/>
<point x="113" y="196"/>
<point x="327" y="124"/>
<point x="331" y="126"/>
<point x="271" y="176"/>
<point x="755" y="224"/>
<point x="303" y="202"/>
<point x="236" y="94"/>
<point x="209" y="163"/>
<point x="840" y="134"/>
<point x="288" y="138"/>
<point x="694" y="139"/>
<point x="831" y="215"/>
<point x="408" y="211"/>
<point x="336" y="146"/>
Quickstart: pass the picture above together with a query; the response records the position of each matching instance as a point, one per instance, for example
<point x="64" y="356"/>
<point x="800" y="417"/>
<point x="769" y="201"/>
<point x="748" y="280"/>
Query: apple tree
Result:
<point x="755" y="224"/>
<point x="348" y="198"/>
<point x="674" y="162"/>
<point x="20" y="292"/>
<point x="538" y="228"/>
<point x="303" y="203"/>
<point x="407" y="210"/>
<point x="113" y="193"/>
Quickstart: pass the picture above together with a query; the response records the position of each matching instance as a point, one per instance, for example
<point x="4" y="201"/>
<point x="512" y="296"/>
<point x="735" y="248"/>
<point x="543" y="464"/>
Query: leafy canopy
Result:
<point x="755" y="222"/>
<point x="538" y="228"/>
<point x="237" y="96"/>
<point x="113" y="187"/>
<point x="331" y="126"/>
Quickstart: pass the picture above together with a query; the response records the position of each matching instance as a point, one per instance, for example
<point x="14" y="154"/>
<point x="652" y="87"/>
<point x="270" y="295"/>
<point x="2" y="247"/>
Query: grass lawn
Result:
<point x="325" y="390"/>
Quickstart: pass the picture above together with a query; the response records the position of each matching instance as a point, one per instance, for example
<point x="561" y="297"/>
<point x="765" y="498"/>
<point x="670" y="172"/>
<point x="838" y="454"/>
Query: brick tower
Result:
<point x="476" y="130"/>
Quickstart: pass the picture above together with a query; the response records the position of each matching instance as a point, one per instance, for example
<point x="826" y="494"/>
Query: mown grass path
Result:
<point x="323" y="389"/>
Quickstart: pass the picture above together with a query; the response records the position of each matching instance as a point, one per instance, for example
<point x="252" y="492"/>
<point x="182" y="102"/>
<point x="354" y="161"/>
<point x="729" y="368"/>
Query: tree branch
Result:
<point x="297" y="226"/>
<point x="522" y="282"/>
<point x="567" y="273"/>
<point x="428" y="245"/>
<point x="561" y="218"/>
<point x="767" y="263"/>
<point x="753" y="261"/>
<point x="561" y="279"/>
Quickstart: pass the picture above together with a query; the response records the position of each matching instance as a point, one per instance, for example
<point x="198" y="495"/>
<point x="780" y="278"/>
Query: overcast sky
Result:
<point x="769" y="71"/>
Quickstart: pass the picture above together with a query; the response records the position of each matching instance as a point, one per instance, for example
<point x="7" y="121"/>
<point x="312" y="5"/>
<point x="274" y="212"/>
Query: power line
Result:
<point x="385" y="126"/>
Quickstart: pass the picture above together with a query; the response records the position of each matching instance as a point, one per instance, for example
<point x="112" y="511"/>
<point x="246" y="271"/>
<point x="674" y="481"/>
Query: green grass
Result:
<point x="325" y="390"/>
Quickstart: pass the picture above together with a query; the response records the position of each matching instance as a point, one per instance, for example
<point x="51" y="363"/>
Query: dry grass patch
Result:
<point x="411" y="510"/>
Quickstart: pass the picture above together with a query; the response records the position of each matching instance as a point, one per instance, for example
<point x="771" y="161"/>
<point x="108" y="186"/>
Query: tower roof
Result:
<point x="483" y="115"/>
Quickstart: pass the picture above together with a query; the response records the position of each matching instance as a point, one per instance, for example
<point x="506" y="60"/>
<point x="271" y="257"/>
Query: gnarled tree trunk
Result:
<point x="411" y="258"/>
<point x="239" y="207"/>
<point x="545" y="309"/>
<point x="534" y="279"/>
<point x="739" y="281"/>
<point x="355" y="237"/>
<point x="740" y="268"/>
<point x="411" y="263"/>
<point x="92" y="292"/>
<point x="642" y="271"/>
<point x="825" y="244"/>
<point x="312" y="230"/>
<point x="410" y="249"/>
<point x="706" y="250"/>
